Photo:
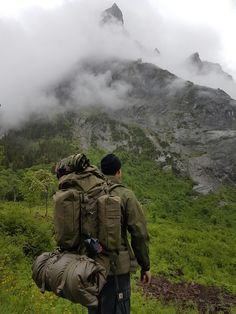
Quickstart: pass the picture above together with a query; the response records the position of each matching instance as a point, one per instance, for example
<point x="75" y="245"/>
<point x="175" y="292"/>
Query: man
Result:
<point x="115" y="296"/>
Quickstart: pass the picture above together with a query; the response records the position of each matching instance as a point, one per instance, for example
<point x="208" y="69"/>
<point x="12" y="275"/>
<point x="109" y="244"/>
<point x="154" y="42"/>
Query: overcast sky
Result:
<point x="218" y="15"/>
<point x="41" y="40"/>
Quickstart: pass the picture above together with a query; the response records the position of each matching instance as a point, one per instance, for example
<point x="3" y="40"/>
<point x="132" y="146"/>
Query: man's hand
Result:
<point x="146" y="277"/>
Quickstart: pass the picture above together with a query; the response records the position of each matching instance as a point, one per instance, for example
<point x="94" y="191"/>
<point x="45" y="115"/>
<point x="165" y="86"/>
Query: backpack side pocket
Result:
<point x="109" y="222"/>
<point x="67" y="218"/>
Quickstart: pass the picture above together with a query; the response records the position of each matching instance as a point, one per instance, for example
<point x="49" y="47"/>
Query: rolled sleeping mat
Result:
<point x="71" y="276"/>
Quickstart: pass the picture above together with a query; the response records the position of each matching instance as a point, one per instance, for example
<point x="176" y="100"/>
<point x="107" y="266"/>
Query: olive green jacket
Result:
<point x="133" y="221"/>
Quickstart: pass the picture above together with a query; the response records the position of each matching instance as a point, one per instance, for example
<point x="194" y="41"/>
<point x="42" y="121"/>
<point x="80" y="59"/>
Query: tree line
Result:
<point x="34" y="185"/>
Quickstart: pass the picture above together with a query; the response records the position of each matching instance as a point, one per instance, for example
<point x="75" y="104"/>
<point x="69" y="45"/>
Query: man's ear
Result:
<point x="119" y="173"/>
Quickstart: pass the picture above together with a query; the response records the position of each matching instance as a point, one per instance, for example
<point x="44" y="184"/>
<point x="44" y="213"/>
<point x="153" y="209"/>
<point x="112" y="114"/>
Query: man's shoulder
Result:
<point x="123" y="191"/>
<point x="117" y="187"/>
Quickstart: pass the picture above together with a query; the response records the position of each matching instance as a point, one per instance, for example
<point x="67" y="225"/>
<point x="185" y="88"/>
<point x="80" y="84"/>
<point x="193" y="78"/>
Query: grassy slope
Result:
<point x="189" y="232"/>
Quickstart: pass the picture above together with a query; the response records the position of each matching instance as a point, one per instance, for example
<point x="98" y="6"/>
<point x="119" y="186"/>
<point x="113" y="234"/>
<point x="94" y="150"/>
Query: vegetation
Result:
<point x="192" y="236"/>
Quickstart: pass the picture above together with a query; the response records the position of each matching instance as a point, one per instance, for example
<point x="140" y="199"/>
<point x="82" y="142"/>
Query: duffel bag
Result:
<point x="77" y="278"/>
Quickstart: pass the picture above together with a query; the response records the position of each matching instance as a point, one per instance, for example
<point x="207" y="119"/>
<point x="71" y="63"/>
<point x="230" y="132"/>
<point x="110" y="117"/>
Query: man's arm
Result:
<point x="136" y="225"/>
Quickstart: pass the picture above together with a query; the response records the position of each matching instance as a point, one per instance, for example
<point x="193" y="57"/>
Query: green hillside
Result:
<point x="192" y="236"/>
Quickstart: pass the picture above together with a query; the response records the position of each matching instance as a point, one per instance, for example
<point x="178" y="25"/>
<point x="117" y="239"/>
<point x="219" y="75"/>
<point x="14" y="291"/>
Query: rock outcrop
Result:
<point x="113" y="15"/>
<point x="199" y="67"/>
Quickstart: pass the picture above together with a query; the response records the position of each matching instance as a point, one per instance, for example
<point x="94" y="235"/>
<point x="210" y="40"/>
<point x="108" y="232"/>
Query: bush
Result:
<point x="32" y="234"/>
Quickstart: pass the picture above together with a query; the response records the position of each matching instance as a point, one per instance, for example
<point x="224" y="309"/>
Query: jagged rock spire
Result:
<point x="113" y="15"/>
<point x="195" y="58"/>
<point x="195" y="64"/>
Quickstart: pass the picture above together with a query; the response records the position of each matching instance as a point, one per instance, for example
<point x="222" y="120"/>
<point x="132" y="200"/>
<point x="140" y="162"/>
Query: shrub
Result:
<point x="32" y="234"/>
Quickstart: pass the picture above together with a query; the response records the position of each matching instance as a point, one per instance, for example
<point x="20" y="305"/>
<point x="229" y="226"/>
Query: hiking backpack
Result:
<point x="87" y="221"/>
<point x="87" y="218"/>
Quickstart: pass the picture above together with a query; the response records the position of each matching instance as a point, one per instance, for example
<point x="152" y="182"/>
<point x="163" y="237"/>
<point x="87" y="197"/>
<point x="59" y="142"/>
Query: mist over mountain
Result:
<point x="41" y="47"/>
<point x="200" y="67"/>
<point x="111" y="82"/>
<point x="208" y="73"/>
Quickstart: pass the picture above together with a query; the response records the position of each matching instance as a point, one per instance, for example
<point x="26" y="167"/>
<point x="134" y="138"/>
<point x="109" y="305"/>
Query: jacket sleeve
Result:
<point x="136" y="225"/>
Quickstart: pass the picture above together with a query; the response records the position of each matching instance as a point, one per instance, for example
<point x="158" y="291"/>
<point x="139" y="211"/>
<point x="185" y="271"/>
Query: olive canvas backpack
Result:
<point x="87" y="222"/>
<point x="87" y="218"/>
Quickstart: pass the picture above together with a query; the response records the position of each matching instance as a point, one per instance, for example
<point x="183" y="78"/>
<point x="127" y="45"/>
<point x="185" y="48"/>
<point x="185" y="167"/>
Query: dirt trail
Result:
<point x="208" y="300"/>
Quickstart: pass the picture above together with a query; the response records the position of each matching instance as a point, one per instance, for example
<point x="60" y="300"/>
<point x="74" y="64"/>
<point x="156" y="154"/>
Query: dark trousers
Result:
<point x="114" y="297"/>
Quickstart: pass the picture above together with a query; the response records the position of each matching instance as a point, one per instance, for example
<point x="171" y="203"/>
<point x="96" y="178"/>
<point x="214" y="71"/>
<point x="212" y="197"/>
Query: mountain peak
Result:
<point x="195" y="64"/>
<point x="115" y="6"/>
<point x="195" y="58"/>
<point x="113" y="15"/>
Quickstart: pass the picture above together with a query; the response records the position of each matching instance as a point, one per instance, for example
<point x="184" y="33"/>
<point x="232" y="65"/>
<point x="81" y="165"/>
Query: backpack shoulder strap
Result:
<point x="112" y="186"/>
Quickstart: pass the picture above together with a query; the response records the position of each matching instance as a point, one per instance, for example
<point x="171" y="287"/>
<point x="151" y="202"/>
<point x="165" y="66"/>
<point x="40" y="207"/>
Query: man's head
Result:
<point x="111" y="165"/>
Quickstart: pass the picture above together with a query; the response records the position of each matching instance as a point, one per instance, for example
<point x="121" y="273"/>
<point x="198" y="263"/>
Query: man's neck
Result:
<point x="114" y="179"/>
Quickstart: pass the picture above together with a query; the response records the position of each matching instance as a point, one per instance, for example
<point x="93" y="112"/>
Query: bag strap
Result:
<point x="113" y="186"/>
<point x="64" y="276"/>
<point x="48" y="262"/>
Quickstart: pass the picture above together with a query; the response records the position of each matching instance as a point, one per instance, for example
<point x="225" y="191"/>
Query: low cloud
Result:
<point x="42" y="47"/>
<point x="92" y="90"/>
<point x="211" y="80"/>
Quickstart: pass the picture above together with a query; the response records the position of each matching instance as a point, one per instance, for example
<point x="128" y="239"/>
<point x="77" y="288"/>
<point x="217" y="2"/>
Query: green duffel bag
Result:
<point x="77" y="278"/>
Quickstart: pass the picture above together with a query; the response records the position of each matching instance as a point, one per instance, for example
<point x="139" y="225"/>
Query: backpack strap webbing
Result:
<point x="112" y="186"/>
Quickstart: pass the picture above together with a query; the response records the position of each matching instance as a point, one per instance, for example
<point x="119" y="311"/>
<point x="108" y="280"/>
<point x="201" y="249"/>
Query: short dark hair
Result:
<point x="110" y="164"/>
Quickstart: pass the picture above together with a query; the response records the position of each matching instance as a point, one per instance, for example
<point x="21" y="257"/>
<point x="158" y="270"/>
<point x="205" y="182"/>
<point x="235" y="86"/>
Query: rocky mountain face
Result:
<point x="199" y="67"/>
<point x="188" y="128"/>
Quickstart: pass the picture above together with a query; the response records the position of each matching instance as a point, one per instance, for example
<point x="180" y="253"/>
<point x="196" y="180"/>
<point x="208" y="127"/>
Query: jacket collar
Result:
<point x="114" y="179"/>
